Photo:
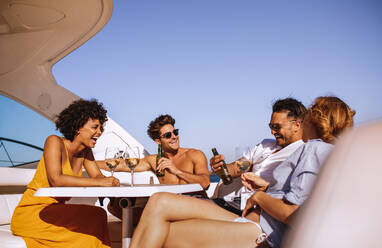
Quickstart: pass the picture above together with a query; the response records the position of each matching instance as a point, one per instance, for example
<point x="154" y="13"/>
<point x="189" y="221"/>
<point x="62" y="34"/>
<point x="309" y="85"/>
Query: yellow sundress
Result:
<point x="49" y="222"/>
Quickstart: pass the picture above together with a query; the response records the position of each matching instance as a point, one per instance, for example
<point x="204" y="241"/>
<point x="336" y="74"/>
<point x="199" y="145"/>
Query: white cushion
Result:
<point x="12" y="177"/>
<point x="16" y="176"/>
<point x="8" y="240"/>
<point x="8" y="204"/>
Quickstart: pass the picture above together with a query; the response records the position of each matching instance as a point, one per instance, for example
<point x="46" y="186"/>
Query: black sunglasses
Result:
<point x="169" y="134"/>
<point x="277" y="127"/>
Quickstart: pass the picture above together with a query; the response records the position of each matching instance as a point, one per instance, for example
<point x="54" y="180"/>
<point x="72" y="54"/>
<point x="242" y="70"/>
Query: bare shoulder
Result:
<point x="52" y="141"/>
<point x="54" y="147"/>
<point x="53" y="138"/>
<point x="194" y="153"/>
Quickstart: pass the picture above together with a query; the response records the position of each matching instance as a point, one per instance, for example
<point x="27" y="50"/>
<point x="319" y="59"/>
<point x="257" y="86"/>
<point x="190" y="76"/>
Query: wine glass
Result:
<point x="112" y="157"/>
<point x="243" y="165"/>
<point x="244" y="158"/>
<point x="132" y="157"/>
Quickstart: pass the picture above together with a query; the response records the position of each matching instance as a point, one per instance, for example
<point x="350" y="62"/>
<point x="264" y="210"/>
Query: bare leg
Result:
<point x="164" y="208"/>
<point x="211" y="233"/>
<point x="254" y="215"/>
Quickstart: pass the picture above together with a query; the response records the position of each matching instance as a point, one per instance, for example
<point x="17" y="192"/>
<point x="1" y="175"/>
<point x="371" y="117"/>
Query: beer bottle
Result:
<point x="159" y="155"/>
<point x="223" y="173"/>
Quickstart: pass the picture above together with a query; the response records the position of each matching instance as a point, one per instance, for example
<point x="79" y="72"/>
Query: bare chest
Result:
<point x="184" y="164"/>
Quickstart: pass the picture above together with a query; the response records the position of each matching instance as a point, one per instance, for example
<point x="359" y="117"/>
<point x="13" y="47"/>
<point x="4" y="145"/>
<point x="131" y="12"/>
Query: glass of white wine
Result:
<point x="244" y="158"/>
<point x="243" y="165"/>
<point x="132" y="157"/>
<point x="112" y="158"/>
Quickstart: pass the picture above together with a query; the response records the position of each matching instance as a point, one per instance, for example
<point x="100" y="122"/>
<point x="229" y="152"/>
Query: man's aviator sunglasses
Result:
<point x="169" y="134"/>
<point x="277" y="127"/>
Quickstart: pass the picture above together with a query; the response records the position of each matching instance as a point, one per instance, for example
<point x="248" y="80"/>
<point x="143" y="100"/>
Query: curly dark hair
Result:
<point x="295" y="108"/>
<point x="157" y="124"/>
<point x="73" y="117"/>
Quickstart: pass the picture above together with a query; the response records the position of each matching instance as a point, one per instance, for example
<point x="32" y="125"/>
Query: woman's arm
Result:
<point x="53" y="149"/>
<point x="143" y="165"/>
<point x="279" y="209"/>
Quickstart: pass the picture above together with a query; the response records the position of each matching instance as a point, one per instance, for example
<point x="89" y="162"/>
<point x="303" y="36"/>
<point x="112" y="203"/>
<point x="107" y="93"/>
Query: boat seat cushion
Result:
<point x="8" y="204"/>
<point x="8" y="240"/>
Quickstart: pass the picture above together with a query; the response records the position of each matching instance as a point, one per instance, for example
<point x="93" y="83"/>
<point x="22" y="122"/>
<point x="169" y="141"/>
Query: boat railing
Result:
<point x="16" y="163"/>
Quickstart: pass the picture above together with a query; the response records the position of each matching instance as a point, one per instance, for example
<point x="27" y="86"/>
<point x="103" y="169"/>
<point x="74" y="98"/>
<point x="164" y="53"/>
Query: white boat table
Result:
<point x="127" y="194"/>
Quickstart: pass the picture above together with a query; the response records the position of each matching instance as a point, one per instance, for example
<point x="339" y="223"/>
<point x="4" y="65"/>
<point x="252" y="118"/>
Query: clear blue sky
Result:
<point x="216" y="66"/>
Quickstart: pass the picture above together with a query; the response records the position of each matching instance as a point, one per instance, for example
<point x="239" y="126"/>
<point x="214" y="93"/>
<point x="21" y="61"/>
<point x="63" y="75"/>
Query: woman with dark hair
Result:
<point x="48" y="221"/>
<point x="170" y="220"/>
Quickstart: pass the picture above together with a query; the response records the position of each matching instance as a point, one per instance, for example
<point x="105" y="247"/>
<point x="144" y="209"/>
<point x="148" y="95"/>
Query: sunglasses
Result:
<point x="277" y="127"/>
<point x="169" y="134"/>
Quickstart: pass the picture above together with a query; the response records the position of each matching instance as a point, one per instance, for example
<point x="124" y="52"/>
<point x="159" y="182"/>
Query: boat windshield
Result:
<point x="22" y="134"/>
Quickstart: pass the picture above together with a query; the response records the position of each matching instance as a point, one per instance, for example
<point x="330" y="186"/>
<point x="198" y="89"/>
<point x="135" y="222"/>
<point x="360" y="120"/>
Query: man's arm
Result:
<point x="143" y="165"/>
<point x="201" y="174"/>
<point x="233" y="168"/>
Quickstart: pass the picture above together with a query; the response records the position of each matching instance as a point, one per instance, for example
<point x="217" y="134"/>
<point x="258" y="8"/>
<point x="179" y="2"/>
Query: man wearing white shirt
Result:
<point x="286" y="126"/>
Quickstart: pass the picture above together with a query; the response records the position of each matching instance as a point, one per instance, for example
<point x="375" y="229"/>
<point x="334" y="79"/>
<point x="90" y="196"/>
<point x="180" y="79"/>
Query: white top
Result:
<point x="295" y="180"/>
<point x="144" y="190"/>
<point x="265" y="159"/>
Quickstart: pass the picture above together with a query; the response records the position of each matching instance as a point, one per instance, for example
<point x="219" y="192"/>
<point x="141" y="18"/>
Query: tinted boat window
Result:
<point x="23" y="125"/>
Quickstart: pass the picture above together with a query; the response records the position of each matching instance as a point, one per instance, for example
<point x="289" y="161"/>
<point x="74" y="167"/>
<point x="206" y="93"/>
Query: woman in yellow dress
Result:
<point x="48" y="221"/>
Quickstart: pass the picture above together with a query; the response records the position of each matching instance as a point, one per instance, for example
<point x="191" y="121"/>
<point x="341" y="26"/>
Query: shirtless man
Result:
<point x="181" y="165"/>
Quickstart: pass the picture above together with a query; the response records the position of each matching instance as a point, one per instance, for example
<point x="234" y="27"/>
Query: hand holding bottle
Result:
<point x="216" y="162"/>
<point x="223" y="172"/>
<point x="165" y="163"/>
<point x="159" y="173"/>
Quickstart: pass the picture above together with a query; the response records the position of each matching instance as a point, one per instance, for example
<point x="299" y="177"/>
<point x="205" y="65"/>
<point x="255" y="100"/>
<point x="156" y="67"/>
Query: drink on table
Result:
<point x="223" y="173"/>
<point x="132" y="157"/>
<point x="132" y="162"/>
<point x="159" y="156"/>
<point x="112" y="163"/>
<point x="112" y="158"/>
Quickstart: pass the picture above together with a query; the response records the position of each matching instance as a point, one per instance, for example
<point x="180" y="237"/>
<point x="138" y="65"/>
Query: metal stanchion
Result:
<point x="127" y="205"/>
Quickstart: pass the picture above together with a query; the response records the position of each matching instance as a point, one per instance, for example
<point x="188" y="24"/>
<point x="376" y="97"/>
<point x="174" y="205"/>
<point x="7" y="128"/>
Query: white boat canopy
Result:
<point x="36" y="34"/>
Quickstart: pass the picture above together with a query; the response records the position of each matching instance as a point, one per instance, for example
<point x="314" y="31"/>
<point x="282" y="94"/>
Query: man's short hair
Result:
<point x="157" y="124"/>
<point x="294" y="108"/>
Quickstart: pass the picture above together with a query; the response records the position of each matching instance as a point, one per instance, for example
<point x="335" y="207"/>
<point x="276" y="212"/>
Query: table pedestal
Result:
<point x="127" y="205"/>
<point x="127" y="227"/>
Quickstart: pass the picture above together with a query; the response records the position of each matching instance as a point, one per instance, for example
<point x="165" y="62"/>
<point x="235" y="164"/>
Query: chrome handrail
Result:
<point x="17" y="142"/>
